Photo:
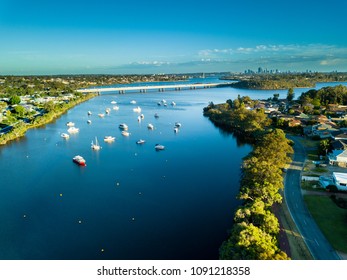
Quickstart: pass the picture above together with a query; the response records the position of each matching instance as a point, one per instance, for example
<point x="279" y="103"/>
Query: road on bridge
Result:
<point x="316" y="242"/>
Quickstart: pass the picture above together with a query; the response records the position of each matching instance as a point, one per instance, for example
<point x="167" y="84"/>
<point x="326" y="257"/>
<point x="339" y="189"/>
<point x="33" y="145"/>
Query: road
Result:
<point x="316" y="242"/>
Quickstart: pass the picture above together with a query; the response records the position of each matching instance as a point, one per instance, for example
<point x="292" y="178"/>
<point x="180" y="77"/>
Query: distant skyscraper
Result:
<point x="260" y="70"/>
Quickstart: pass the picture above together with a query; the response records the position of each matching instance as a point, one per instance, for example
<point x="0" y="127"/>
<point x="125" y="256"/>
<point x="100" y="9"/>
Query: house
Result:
<point x="339" y="145"/>
<point x="340" y="136"/>
<point x="338" y="157"/>
<point x="340" y="180"/>
<point x="294" y="122"/>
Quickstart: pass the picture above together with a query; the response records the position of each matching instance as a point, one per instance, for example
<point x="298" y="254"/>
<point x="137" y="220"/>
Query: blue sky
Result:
<point x="125" y="37"/>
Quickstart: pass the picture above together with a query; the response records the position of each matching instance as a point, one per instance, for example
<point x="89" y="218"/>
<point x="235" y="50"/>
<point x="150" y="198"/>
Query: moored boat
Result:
<point x="141" y="141"/>
<point x="150" y="126"/>
<point x="123" y="126"/>
<point x="177" y="124"/>
<point x="70" y="124"/>
<point x="109" y="139"/>
<point x="137" y="109"/>
<point x="125" y="133"/>
<point x="159" y="147"/>
<point x="95" y="146"/>
<point x="79" y="160"/>
<point x="73" y="129"/>
<point x="65" y="135"/>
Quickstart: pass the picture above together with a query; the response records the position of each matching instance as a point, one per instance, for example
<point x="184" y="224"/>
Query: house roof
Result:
<point x="338" y="154"/>
<point x="340" y="177"/>
<point x="339" y="136"/>
<point x="339" y="144"/>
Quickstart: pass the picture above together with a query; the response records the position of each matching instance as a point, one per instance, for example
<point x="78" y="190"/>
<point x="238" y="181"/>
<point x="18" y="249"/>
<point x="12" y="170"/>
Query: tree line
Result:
<point x="254" y="235"/>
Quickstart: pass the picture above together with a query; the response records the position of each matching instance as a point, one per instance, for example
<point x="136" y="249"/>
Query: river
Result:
<point x="130" y="201"/>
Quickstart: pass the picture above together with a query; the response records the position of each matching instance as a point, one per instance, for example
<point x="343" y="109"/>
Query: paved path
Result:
<point x="318" y="245"/>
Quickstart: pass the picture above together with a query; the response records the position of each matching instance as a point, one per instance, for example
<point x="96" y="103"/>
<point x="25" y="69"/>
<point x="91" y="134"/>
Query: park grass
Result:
<point x="331" y="219"/>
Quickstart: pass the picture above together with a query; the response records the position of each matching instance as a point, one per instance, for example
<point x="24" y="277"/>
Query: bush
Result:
<point x="332" y="188"/>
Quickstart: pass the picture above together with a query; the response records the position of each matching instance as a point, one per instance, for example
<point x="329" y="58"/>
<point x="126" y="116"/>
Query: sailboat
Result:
<point x="95" y="146"/>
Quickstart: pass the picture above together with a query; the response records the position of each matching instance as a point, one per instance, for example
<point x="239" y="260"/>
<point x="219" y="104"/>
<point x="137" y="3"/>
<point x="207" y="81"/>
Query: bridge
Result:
<point x="160" y="88"/>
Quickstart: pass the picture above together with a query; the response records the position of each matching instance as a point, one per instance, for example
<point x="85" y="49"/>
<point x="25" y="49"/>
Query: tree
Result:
<point x="276" y="96"/>
<point x="20" y="110"/>
<point x="15" y="99"/>
<point x="324" y="146"/>
<point x="290" y="94"/>
<point x="248" y="242"/>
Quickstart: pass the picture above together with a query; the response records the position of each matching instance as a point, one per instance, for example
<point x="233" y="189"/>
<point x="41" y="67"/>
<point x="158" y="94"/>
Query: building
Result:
<point x="340" y="180"/>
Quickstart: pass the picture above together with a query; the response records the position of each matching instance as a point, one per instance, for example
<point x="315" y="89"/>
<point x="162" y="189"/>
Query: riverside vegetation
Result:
<point x="254" y="234"/>
<point x="283" y="80"/>
<point x="32" y="101"/>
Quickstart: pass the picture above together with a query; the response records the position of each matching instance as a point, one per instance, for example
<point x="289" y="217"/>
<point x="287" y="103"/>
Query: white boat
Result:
<point x="150" y="126"/>
<point x="70" y="124"/>
<point x="108" y="110"/>
<point x="159" y="147"/>
<point x="142" y="116"/>
<point x="156" y="115"/>
<point x="123" y="126"/>
<point x="113" y="102"/>
<point x="89" y="121"/>
<point x="79" y="160"/>
<point x="116" y="108"/>
<point x="133" y="102"/>
<point x="173" y="103"/>
<point x="73" y="129"/>
<point x="177" y="124"/>
<point x="65" y="135"/>
<point x="89" y="113"/>
<point x="137" y="109"/>
<point x="139" y="119"/>
<point x="141" y="141"/>
<point x="95" y="146"/>
<point x="125" y="133"/>
<point x="101" y="115"/>
<point x="176" y="129"/>
<point x="109" y="139"/>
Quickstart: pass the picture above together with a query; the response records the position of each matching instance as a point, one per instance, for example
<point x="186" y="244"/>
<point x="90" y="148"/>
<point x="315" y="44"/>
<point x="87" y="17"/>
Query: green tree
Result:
<point x="20" y="110"/>
<point x="290" y="94"/>
<point x="324" y="146"/>
<point x="248" y="242"/>
<point x="15" y="99"/>
<point x="276" y="96"/>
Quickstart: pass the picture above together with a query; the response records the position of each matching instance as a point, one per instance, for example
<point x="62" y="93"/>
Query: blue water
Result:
<point x="130" y="201"/>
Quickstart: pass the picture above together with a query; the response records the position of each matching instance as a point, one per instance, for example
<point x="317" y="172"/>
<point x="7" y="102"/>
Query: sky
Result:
<point x="182" y="36"/>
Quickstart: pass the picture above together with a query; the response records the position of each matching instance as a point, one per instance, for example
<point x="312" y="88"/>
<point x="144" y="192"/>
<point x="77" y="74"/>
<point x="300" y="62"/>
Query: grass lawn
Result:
<point x="331" y="219"/>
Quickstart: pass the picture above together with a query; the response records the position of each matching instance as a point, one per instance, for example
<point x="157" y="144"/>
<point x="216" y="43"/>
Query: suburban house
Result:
<point x="337" y="179"/>
<point x="338" y="157"/>
<point x="340" y="180"/>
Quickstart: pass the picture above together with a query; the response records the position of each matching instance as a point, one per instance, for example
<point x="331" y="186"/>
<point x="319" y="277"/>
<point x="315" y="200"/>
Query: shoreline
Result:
<point x="47" y="118"/>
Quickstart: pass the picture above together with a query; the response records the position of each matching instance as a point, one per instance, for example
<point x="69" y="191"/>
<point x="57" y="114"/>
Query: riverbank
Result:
<point x="20" y="128"/>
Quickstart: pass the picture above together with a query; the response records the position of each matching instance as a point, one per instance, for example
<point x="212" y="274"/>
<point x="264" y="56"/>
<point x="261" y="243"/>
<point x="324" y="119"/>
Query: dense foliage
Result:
<point x="255" y="230"/>
<point x="284" y="80"/>
<point x="325" y="96"/>
<point x="235" y="116"/>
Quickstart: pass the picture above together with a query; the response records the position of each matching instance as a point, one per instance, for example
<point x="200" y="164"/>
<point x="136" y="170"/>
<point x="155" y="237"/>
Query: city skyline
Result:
<point x="105" y="37"/>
